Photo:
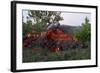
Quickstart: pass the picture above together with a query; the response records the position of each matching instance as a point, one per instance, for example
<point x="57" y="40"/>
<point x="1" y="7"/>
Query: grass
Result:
<point x="42" y="55"/>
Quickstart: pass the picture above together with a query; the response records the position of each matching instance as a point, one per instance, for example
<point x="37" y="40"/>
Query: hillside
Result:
<point x="70" y="29"/>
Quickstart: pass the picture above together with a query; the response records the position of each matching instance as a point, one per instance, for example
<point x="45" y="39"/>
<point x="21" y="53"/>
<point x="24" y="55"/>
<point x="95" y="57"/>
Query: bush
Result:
<point x="55" y="57"/>
<point x="43" y="55"/>
<point x="78" y="54"/>
<point x="27" y="27"/>
<point x="37" y="57"/>
<point x="39" y="27"/>
<point x="85" y="33"/>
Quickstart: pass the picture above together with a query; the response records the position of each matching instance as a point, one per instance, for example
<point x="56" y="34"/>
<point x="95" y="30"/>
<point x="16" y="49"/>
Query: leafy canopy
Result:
<point x="84" y="34"/>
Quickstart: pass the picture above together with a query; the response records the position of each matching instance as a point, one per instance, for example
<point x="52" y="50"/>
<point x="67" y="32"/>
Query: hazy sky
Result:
<point x="74" y="19"/>
<point x="70" y="18"/>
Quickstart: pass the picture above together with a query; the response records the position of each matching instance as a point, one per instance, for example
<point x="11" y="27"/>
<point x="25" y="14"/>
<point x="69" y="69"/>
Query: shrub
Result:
<point x="85" y="33"/>
<point x="27" y="27"/>
<point x="55" y="57"/>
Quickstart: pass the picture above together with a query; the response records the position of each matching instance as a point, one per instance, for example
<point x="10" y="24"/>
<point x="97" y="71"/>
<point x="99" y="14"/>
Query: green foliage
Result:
<point x="42" y="56"/>
<point x="55" y="57"/>
<point x="85" y="33"/>
<point x="43" y="15"/>
<point x="77" y="54"/>
<point x="42" y="19"/>
<point x="39" y="27"/>
<point x="37" y="57"/>
<point x="27" y="27"/>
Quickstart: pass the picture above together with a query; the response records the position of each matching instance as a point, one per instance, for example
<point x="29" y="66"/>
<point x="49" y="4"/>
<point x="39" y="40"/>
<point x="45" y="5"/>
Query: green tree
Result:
<point x="85" y="33"/>
<point x="42" y="18"/>
<point x="27" y="27"/>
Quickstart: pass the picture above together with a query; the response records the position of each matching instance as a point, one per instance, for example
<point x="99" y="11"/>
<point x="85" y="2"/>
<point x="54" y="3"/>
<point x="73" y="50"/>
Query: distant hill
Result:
<point x="70" y="29"/>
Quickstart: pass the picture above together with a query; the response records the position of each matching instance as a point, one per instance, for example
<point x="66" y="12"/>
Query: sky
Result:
<point x="70" y="18"/>
<point x="74" y="19"/>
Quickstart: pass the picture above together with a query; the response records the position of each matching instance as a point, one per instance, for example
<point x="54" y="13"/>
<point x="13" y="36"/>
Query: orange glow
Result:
<point x="28" y="35"/>
<point x="57" y="49"/>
